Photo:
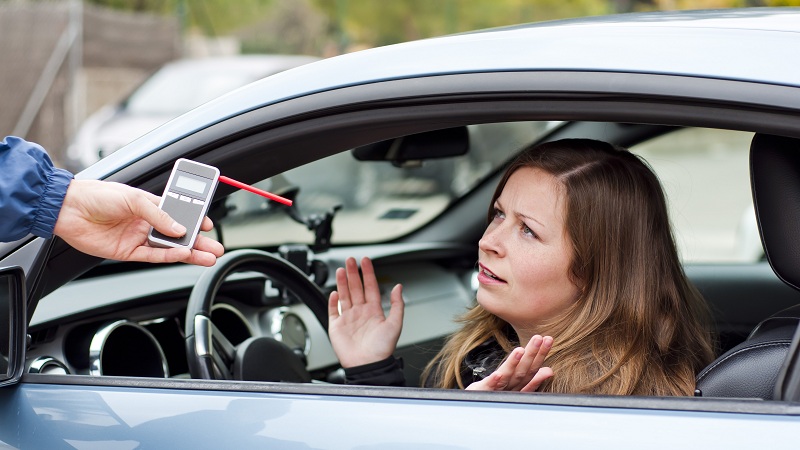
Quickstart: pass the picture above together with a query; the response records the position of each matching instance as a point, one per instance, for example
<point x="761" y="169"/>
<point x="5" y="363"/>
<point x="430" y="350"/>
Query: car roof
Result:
<point x="750" y="44"/>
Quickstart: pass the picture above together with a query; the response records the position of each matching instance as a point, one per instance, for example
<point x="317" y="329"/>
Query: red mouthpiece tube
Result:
<point x="254" y="190"/>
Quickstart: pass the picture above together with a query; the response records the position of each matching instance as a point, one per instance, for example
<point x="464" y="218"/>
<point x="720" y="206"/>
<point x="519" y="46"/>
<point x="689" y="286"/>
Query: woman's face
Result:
<point x="525" y="254"/>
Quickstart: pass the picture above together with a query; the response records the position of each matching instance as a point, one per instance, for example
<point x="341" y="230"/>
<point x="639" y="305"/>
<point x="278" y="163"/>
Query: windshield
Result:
<point x="379" y="202"/>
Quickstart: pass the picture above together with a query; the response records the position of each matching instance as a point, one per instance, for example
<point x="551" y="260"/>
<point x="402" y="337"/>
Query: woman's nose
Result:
<point x="491" y="241"/>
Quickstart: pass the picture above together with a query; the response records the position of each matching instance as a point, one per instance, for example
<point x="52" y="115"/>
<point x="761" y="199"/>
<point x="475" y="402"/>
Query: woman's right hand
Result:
<point x="359" y="331"/>
<point x="522" y="371"/>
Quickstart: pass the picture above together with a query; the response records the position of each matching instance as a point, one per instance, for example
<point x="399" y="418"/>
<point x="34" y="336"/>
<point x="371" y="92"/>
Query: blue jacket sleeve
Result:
<point x="32" y="190"/>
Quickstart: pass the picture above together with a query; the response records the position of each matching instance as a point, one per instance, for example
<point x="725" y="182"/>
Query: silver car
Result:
<point x="117" y="354"/>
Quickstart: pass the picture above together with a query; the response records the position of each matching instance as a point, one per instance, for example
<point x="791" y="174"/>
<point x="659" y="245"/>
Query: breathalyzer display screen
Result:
<point x="191" y="184"/>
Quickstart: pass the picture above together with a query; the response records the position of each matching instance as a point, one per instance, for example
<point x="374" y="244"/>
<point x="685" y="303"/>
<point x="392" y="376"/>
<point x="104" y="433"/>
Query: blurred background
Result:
<point x="84" y="77"/>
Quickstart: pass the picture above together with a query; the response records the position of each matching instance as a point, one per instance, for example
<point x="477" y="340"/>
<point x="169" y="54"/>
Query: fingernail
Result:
<point x="178" y="228"/>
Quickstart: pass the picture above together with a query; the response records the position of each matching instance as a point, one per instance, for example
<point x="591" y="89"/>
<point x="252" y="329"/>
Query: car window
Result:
<point x="705" y="174"/>
<point x="379" y="202"/>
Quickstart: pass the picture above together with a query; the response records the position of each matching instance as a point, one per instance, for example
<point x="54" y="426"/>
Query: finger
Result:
<point x="342" y="291"/>
<point x="398" y="306"/>
<point x="354" y="282"/>
<point x="207" y="224"/>
<point x="544" y="349"/>
<point x="153" y="198"/>
<point x="494" y="382"/>
<point x="497" y="382"/>
<point x="333" y="305"/>
<point x="528" y="365"/>
<point x="543" y="374"/>
<point x="143" y="207"/>
<point x="509" y="366"/>
<point x="372" y="293"/>
<point x="208" y="245"/>
<point x="159" y="255"/>
<point x="200" y="258"/>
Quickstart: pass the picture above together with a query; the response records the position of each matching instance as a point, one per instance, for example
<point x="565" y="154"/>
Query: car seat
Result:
<point x="752" y="368"/>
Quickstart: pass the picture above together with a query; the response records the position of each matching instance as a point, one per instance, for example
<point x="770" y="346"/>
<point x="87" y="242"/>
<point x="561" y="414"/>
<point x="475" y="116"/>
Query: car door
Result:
<point x="79" y="411"/>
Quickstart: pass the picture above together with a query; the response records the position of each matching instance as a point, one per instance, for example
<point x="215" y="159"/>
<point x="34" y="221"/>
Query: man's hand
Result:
<point x="112" y="220"/>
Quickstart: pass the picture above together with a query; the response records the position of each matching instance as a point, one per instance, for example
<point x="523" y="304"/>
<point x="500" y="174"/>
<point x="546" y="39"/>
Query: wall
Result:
<point x="114" y="51"/>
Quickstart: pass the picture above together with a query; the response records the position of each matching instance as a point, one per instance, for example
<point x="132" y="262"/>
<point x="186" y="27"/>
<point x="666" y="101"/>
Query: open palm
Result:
<point x="359" y="331"/>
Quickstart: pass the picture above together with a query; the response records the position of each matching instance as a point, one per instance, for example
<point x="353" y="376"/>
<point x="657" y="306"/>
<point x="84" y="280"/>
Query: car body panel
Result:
<point x="747" y="48"/>
<point x="74" y="416"/>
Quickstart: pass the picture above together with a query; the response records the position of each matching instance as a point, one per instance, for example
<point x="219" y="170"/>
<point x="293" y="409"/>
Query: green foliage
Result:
<point x="381" y="22"/>
<point x="781" y="2"/>
<point x="333" y="26"/>
<point x="291" y="26"/>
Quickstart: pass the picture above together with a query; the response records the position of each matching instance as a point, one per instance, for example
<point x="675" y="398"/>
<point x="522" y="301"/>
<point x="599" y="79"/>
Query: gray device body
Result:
<point x="186" y="199"/>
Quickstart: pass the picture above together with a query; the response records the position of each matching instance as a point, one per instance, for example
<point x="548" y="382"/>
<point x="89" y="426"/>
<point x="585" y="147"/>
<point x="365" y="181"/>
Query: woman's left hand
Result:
<point x="521" y="371"/>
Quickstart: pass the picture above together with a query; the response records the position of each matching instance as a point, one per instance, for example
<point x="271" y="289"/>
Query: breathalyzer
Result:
<point x="186" y="199"/>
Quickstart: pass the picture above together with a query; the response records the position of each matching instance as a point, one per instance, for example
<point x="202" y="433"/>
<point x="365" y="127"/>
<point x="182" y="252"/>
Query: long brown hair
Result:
<point x="638" y="327"/>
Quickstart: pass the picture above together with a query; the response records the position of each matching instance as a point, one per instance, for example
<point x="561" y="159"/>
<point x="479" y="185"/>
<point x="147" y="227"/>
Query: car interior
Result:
<point x="774" y="169"/>
<point x="410" y="201"/>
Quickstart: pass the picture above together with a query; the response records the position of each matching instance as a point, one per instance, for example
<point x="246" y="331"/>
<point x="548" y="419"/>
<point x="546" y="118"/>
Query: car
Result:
<point x="121" y="355"/>
<point x="175" y="88"/>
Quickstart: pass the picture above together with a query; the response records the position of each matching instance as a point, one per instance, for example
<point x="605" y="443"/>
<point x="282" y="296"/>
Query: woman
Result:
<point x="581" y="289"/>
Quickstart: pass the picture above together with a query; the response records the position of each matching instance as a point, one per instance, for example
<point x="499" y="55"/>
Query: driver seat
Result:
<point x="752" y="368"/>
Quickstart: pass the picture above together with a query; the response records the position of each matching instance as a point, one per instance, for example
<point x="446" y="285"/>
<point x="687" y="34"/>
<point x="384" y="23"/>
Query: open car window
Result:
<point x="379" y="202"/>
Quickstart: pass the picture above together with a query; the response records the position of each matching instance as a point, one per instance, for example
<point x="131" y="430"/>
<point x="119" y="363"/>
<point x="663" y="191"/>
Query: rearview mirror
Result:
<point x="414" y="148"/>
<point x="12" y="324"/>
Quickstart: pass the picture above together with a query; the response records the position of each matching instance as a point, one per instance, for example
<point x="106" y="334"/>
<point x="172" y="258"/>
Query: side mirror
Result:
<point x="12" y="324"/>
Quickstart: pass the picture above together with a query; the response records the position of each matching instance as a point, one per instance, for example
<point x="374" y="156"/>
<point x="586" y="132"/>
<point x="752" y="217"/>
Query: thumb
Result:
<point x="157" y="218"/>
<point x="397" y="305"/>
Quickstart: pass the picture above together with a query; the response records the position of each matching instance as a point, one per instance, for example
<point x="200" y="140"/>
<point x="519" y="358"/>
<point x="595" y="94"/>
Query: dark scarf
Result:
<point x="481" y="361"/>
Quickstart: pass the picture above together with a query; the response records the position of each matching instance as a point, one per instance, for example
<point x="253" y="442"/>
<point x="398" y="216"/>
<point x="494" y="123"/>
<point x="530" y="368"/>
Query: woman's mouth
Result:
<point x="486" y="276"/>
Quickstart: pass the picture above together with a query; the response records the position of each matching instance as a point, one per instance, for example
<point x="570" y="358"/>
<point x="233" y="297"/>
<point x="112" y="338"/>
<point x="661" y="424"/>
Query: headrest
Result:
<point x="775" y="180"/>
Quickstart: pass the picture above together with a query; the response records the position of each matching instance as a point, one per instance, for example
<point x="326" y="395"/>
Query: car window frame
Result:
<point x="445" y="101"/>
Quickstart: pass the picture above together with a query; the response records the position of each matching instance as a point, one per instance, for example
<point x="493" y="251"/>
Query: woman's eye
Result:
<point x="499" y="214"/>
<point x="526" y="230"/>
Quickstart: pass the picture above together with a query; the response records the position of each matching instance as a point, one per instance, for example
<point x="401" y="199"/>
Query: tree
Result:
<point x="313" y="25"/>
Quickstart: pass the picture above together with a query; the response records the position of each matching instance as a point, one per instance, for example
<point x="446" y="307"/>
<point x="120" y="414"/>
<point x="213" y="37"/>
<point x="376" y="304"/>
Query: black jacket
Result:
<point x="479" y="363"/>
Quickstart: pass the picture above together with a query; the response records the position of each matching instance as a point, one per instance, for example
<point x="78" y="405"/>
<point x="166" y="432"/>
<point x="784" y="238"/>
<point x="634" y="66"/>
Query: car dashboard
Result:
<point x="132" y="323"/>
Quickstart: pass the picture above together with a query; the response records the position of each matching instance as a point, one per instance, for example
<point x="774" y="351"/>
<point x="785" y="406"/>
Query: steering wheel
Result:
<point x="212" y="356"/>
